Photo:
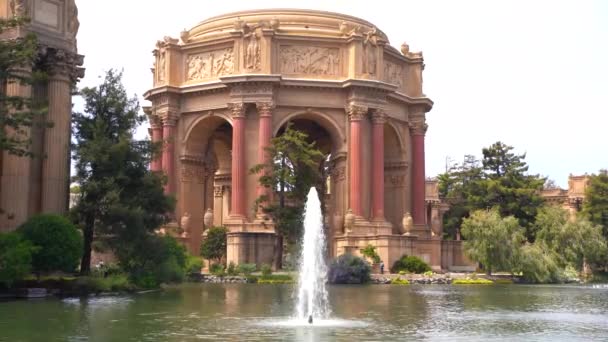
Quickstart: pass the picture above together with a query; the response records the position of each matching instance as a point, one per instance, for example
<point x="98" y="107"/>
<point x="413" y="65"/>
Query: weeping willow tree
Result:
<point x="292" y="169"/>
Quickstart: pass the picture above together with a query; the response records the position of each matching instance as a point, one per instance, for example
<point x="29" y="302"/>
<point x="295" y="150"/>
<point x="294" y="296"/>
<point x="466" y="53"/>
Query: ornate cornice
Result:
<point x="237" y="110"/>
<point x="356" y="112"/>
<point x="62" y="63"/>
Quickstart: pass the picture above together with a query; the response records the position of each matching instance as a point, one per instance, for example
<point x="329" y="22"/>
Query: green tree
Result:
<point x="595" y="206"/>
<point x="500" y="180"/>
<point x="15" y="258"/>
<point x="18" y="114"/>
<point x="59" y="243"/>
<point x="121" y="202"/>
<point x="492" y="240"/>
<point x="213" y="246"/>
<point x="294" y="167"/>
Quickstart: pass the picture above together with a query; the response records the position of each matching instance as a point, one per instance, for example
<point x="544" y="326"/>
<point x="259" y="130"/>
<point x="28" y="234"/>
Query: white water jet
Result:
<point x="312" y="295"/>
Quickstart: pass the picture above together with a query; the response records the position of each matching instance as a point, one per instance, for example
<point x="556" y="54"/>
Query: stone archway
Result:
<point x="205" y="176"/>
<point x="395" y="167"/>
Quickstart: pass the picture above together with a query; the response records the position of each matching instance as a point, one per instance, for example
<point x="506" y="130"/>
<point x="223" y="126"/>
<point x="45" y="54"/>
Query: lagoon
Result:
<point x="250" y="312"/>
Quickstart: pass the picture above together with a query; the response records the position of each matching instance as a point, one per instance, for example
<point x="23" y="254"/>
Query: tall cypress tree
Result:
<point x="121" y="201"/>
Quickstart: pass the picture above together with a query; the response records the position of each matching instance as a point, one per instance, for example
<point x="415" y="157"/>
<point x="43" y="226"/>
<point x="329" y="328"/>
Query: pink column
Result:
<point x="264" y="137"/>
<point x="168" y="157"/>
<point x="238" y="159"/>
<point x="157" y="136"/>
<point x="355" y="115"/>
<point x="378" y="120"/>
<point x="418" y="129"/>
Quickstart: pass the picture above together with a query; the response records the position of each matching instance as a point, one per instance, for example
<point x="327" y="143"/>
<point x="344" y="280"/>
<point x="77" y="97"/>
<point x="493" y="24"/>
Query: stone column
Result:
<point x="238" y="159"/>
<point x="264" y="137"/>
<point x="355" y="115"/>
<point x="55" y="165"/>
<point x="157" y="137"/>
<point x="378" y="120"/>
<point x="168" y="156"/>
<point x="16" y="171"/>
<point x="417" y="131"/>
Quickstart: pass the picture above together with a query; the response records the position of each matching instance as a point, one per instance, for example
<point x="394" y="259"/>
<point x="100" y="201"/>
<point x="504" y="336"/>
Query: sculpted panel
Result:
<point x="210" y="64"/>
<point x="393" y="73"/>
<point x="310" y="60"/>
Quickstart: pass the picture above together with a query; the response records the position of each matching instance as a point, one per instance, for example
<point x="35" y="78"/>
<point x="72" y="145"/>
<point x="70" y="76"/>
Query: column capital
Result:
<point x="237" y="109"/>
<point x="62" y="65"/>
<point x="356" y="112"/>
<point x="265" y="108"/>
<point x="418" y="125"/>
<point x="379" y="116"/>
<point x="167" y="118"/>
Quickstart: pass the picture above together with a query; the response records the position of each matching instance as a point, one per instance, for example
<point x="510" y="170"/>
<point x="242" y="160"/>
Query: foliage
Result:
<point x="213" y="246"/>
<point x="410" y="264"/>
<point x="573" y="241"/>
<point x="60" y="244"/>
<point x="370" y="252"/>
<point x="266" y="270"/>
<point x="120" y="200"/>
<point x="498" y="180"/>
<point x="154" y="260"/>
<point x="478" y="281"/>
<point x="595" y="206"/>
<point x="18" y="114"/>
<point x="428" y="273"/>
<point x="194" y="264"/>
<point x="15" y="257"/>
<point x="537" y="264"/>
<point x="113" y="283"/>
<point x="491" y="240"/>
<point x="349" y="269"/>
<point x="217" y="269"/>
<point x="399" y="281"/>
<point x="247" y="269"/>
<point x="272" y="279"/>
<point x="232" y="270"/>
<point x="293" y="168"/>
<point x="402" y="272"/>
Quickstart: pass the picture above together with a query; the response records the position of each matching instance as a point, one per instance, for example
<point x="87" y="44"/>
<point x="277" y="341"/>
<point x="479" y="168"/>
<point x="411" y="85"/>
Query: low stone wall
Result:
<point x="209" y="278"/>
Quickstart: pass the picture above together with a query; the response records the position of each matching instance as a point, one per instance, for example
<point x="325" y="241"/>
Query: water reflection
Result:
<point x="242" y="312"/>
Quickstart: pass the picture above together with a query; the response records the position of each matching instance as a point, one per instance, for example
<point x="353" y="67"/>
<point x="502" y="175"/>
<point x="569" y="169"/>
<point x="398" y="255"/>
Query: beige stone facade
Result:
<point x="228" y="85"/>
<point x="40" y="184"/>
<point x="570" y="199"/>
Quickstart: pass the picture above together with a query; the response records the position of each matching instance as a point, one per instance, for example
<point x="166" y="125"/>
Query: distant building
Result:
<point x="570" y="199"/>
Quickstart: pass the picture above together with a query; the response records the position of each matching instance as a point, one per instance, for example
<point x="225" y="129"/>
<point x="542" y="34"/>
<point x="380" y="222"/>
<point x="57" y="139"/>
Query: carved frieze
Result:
<point x="393" y="73"/>
<point x="310" y="60"/>
<point x="396" y="180"/>
<point x="338" y="173"/>
<point x="194" y="174"/>
<point x="210" y="64"/>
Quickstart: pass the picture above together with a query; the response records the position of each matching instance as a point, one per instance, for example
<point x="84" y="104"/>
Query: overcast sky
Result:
<point x="533" y="74"/>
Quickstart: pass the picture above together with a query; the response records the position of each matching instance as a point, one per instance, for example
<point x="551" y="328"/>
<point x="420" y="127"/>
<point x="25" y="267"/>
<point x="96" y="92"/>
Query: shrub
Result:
<point x="276" y="279"/>
<point x="114" y="283"/>
<point x="247" y="269"/>
<point x="214" y="245"/>
<point x="194" y="264"/>
<point x="399" y="281"/>
<point x="428" y="273"/>
<point x="15" y="258"/>
<point x="349" y="269"/>
<point x="60" y="244"/>
<point x="266" y="270"/>
<point x="402" y="272"/>
<point x="538" y="264"/>
<point x="479" y="281"/>
<point x="231" y="269"/>
<point x="410" y="264"/>
<point x="217" y="269"/>
<point x="370" y="253"/>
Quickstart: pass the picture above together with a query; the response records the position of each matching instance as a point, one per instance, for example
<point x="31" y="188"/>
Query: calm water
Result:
<point x="242" y="312"/>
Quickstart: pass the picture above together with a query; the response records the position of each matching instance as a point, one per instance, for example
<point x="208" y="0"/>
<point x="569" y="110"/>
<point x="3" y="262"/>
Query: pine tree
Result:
<point x="121" y="202"/>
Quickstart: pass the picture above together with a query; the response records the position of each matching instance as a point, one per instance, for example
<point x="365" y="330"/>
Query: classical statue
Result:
<point x="185" y="224"/>
<point x="408" y="223"/>
<point x="73" y="23"/>
<point x="369" y="52"/>
<point x="252" y="52"/>
<point x="349" y="221"/>
<point x="208" y="218"/>
<point x="18" y="8"/>
<point x="161" y="66"/>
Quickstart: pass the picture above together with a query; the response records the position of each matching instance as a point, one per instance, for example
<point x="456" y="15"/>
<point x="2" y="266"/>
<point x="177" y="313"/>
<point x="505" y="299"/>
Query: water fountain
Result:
<point x="312" y="295"/>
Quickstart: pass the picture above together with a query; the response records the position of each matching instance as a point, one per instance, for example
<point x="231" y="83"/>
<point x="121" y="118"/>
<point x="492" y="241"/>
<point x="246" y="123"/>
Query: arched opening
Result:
<point x="205" y="176"/>
<point x="394" y="177"/>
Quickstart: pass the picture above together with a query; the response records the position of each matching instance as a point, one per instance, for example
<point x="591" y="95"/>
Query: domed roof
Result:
<point x="284" y="21"/>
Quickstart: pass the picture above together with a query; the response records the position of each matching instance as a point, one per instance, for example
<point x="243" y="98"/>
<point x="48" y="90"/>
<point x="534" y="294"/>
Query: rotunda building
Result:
<point x="228" y="85"/>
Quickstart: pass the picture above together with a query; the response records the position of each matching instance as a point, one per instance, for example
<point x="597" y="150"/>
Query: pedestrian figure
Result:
<point x="381" y="267"/>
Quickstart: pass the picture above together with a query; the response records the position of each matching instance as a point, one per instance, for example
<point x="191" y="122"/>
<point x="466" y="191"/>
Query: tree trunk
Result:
<point x="85" y="264"/>
<point x="278" y="253"/>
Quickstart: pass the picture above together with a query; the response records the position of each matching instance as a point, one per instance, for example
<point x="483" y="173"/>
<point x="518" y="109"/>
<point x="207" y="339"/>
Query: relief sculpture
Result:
<point x="393" y="73"/>
<point x="252" y="51"/>
<point x="210" y="64"/>
<point x="310" y="60"/>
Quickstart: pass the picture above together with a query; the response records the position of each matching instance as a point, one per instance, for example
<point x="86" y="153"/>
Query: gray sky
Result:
<point x="532" y="74"/>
